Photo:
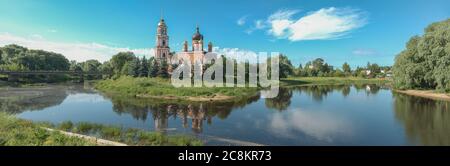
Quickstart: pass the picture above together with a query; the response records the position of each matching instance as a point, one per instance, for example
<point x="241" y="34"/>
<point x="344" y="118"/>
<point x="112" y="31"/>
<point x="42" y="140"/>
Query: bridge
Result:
<point x="14" y="75"/>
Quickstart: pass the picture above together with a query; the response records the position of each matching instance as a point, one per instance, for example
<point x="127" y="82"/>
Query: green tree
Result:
<point x="33" y="59"/>
<point x="131" y="68"/>
<point x="1" y="59"/>
<point x="154" y="68"/>
<point x="163" y="69"/>
<point x="426" y="60"/>
<point x="118" y="61"/>
<point x="286" y="67"/>
<point x="346" y="69"/>
<point x="143" y="68"/>
<point x="106" y="68"/>
<point x="91" y="66"/>
<point x="338" y="73"/>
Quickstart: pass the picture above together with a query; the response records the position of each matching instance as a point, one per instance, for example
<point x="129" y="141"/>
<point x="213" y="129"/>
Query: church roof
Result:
<point x="197" y="35"/>
<point x="161" y="23"/>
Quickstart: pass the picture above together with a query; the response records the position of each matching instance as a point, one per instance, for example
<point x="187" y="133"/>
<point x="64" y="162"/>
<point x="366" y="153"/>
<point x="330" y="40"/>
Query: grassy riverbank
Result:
<point x="162" y="89"/>
<point x="134" y="137"/>
<point x="18" y="132"/>
<point x="297" y="81"/>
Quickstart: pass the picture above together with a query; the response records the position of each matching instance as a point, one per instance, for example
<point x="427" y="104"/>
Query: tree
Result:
<point x="163" y="69"/>
<point x="154" y="68"/>
<point x="286" y="67"/>
<point x="426" y="60"/>
<point x="131" y="68"/>
<point x="338" y="73"/>
<point x="91" y="66"/>
<point x="106" y="68"/>
<point x="143" y="68"/>
<point x="118" y="61"/>
<point x="33" y="59"/>
<point x="1" y="59"/>
<point x="299" y="70"/>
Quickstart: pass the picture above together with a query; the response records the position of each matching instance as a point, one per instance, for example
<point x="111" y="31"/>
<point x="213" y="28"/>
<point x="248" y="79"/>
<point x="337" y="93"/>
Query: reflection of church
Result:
<point x="162" y="49"/>
<point x="196" y="115"/>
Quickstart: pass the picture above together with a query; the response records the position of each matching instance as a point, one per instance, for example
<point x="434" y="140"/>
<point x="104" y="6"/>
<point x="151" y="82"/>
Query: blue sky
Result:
<point x="354" y="31"/>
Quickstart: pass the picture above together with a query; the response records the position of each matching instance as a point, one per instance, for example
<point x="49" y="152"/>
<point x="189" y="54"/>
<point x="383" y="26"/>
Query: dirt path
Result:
<point x="426" y="94"/>
<point x="98" y="141"/>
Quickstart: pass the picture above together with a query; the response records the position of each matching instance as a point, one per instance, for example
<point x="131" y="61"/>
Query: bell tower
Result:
<point x="162" y="50"/>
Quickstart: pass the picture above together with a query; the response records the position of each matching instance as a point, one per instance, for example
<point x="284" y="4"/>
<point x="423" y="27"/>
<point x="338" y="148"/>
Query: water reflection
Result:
<point x="17" y="100"/>
<point x="318" y="93"/>
<point x="426" y="121"/>
<point x="161" y="111"/>
<point x="282" y="101"/>
<point x="323" y="126"/>
<point x="307" y="115"/>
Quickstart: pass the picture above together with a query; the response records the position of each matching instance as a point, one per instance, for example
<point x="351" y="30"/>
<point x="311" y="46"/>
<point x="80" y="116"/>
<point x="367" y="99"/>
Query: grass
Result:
<point x="296" y="81"/>
<point x="160" y="87"/>
<point x="129" y="136"/>
<point x="18" y="132"/>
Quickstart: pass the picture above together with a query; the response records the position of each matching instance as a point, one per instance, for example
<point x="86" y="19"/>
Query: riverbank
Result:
<point x="305" y="81"/>
<point x="19" y="132"/>
<point x="162" y="89"/>
<point x="426" y="94"/>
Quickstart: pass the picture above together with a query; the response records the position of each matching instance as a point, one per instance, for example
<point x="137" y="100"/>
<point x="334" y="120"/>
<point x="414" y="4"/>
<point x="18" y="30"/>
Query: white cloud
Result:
<point x="326" y="23"/>
<point x="319" y="125"/>
<point x="259" y="24"/>
<point x="364" y="52"/>
<point x="72" y="51"/>
<point x="241" y="21"/>
<point x="239" y="54"/>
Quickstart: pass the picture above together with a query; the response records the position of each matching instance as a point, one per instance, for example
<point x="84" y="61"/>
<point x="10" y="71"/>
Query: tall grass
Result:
<point x="129" y="136"/>
<point x="17" y="132"/>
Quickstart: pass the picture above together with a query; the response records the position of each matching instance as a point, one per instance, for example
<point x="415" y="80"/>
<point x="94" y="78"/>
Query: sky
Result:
<point x="353" y="31"/>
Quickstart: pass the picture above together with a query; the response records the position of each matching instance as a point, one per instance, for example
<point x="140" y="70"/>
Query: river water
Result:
<point x="307" y="115"/>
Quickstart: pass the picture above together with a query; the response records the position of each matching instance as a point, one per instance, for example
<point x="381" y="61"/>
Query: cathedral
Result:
<point x="196" y="53"/>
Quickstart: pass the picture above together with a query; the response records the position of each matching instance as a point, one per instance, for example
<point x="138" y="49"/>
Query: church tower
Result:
<point x="162" y="50"/>
<point x="197" y="41"/>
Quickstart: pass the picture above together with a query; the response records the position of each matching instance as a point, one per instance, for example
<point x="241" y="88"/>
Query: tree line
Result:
<point x="18" y="58"/>
<point x="126" y="63"/>
<point x="319" y="68"/>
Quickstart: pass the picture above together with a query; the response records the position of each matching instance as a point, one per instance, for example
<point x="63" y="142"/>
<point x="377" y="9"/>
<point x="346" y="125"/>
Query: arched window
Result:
<point x="164" y="55"/>
<point x="164" y="43"/>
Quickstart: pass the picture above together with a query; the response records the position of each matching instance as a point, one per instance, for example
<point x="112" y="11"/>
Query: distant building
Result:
<point x="367" y="72"/>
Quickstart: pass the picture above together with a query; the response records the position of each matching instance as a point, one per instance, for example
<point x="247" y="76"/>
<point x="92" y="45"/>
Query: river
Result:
<point x="307" y="115"/>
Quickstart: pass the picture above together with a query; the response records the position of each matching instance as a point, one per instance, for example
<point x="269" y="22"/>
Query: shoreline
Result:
<point x="190" y="98"/>
<point x="430" y="94"/>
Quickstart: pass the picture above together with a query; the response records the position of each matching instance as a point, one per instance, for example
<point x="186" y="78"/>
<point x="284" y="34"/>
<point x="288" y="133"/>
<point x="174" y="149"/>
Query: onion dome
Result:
<point x="161" y="23"/>
<point x="197" y="35"/>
